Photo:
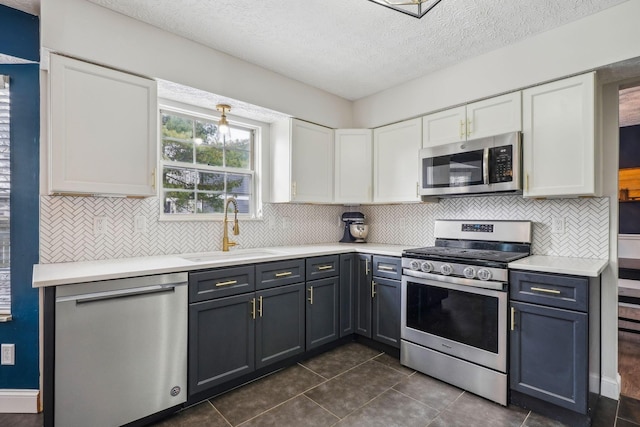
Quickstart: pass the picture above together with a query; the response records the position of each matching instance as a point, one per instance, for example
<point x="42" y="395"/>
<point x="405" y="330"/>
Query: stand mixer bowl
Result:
<point x="359" y="232"/>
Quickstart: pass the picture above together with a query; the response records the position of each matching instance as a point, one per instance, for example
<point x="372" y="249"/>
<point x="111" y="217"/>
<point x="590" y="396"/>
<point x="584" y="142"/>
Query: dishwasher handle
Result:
<point x="121" y="293"/>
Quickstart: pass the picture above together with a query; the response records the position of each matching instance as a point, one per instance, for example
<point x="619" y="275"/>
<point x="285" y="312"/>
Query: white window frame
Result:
<point x="5" y="249"/>
<point x="196" y="112"/>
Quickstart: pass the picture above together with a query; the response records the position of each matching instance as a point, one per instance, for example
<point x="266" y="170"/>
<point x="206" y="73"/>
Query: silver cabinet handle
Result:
<point x="310" y="295"/>
<point x="227" y="283"/>
<point x="373" y="289"/>
<point x="253" y="308"/>
<point x="284" y="274"/>
<point x="325" y="267"/>
<point x="386" y="268"/>
<point x="366" y="266"/>
<point x="513" y="319"/>
<point x="260" y="306"/>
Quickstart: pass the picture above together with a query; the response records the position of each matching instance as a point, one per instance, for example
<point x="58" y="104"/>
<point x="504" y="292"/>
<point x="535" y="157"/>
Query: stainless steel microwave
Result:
<point x="485" y="165"/>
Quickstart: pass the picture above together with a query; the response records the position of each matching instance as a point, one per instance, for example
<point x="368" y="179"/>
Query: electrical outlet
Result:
<point x="557" y="225"/>
<point x="286" y="222"/>
<point x="99" y="225"/>
<point x="140" y="224"/>
<point x="8" y="354"/>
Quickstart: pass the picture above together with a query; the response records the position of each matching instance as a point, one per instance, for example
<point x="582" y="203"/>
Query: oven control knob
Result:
<point x="484" y="274"/>
<point x="414" y="265"/>
<point x="469" y="272"/>
<point x="426" y="267"/>
<point x="446" y="269"/>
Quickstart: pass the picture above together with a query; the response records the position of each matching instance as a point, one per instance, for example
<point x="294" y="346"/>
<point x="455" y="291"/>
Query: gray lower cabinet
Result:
<point x="554" y="339"/>
<point x="280" y="325"/>
<point x="322" y="311"/>
<point x="363" y="285"/>
<point x="234" y="335"/>
<point x="377" y="298"/>
<point x="221" y="341"/>
<point x="323" y="296"/>
<point x="347" y="294"/>
<point x="385" y="313"/>
<point x="549" y="355"/>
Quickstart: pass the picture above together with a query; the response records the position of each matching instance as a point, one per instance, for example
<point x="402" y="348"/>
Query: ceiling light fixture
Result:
<point x="415" y="8"/>
<point x="223" y="124"/>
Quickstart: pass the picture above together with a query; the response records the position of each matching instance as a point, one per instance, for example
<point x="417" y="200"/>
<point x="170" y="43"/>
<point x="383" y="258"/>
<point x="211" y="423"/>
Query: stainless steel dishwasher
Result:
<point x="120" y="349"/>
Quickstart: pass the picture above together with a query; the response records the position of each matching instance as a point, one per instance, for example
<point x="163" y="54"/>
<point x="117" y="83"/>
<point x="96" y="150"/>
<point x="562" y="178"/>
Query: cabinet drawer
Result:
<point x="387" y="266"/>
<point x="279" y="273"/>
<point x="223" y="282"/>
<point x="322" y="266"/>
<point x="570" y="292"/>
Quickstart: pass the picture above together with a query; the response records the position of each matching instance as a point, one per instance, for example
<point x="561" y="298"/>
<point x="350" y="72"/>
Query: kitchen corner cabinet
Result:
<point x="302" y="158"/>
<point x="378" y="298"/>
<point x="489" y="117"/>
<point x="396" y="149"/>
<point x="103" y="130"/>
<point x="347" y="298"/>
<point x="559" y="141"/>
<point x="553" y="356"/>
<point x="353" y="166"/>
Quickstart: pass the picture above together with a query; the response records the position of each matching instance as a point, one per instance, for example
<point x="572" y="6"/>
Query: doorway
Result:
<point x="629" y="241"/>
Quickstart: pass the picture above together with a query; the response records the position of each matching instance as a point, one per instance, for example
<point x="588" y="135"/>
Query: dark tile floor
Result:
<point x="354" y="385"/>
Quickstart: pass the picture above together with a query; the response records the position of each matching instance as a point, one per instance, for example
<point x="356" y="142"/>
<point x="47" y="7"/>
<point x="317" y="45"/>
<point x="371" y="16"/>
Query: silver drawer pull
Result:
<point x="547" y="291"/>
<point x="325" y="267"/>
<point x="284" y="274"/>
<point x="386" y="268"/>
<point x="227" y="283"/>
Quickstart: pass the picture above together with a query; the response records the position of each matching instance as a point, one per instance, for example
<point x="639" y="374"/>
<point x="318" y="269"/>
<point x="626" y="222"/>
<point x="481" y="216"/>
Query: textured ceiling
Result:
<point x="354" y="48"/>
<point x="29" y="6"/>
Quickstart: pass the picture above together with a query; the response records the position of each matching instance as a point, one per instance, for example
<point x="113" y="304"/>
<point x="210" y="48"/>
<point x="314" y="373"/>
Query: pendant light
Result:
<point x="223" y="124"/>
<point x="415" y="8"/>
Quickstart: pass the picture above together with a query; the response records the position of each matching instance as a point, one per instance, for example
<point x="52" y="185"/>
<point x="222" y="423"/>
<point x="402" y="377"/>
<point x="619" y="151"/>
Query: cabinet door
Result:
<point x="444" y="127"/>
<point x="353" y="164"/>
<point x="549" y="355"/>
<point x="494" y="116"/>
<point x="347" y="294"/>
<point x="103" y="130"/>
<point x="279" y="323"/>
<point x="363" y="295"/>
<point x="221" y="341"/>
<point x="385" y="318"/>
<point x="396" y="151"/>
<point x="311" y="162"/>
<point x="322" y="311"/>
<point x="558" y="141"/>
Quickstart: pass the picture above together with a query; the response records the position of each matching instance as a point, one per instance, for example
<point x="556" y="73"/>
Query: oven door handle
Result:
<point x="498" y="286"/>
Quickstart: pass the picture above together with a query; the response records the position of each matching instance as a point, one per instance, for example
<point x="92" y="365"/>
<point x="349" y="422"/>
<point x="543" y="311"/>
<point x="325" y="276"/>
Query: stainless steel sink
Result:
<point x="237" y="254"/>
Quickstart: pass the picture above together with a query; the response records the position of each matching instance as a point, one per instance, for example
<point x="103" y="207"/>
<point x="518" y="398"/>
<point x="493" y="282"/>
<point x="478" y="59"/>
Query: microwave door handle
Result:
<point x="485" y="166"/>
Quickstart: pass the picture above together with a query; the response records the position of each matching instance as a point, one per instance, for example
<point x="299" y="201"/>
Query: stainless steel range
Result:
<point x="454" y="303"/>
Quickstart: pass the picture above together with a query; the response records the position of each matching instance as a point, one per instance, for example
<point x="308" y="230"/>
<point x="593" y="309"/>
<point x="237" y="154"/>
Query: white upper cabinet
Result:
<point x="103" y="130"/>
<point x="302" y="156"/>
<point x="353" y="165"/>
<point x="489" y="117"/>
<point x="559" y="150"/>
<point x="396" y="150"/>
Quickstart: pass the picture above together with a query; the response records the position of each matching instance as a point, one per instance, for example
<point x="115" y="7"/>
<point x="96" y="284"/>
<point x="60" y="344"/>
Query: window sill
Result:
<point x="5" y="318"/>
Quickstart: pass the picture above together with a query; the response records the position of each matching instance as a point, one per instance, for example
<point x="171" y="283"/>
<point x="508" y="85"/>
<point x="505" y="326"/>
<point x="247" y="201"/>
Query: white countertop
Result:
<point x="588" y="267"/>
<point x="90" y="271"/>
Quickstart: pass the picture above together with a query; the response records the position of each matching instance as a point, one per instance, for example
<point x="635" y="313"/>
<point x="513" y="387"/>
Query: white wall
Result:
<point x="84" y="30"/>
<point x="592" y="42"/>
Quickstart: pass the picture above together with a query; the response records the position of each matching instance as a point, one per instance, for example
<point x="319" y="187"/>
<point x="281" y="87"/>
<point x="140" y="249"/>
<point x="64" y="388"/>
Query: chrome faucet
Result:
<point x="226" y="243"/>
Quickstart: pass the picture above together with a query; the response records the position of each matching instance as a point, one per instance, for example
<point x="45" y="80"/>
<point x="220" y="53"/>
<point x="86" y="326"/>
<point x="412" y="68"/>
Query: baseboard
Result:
<point x="19" y="401"/>
<point x="610" y="387"/>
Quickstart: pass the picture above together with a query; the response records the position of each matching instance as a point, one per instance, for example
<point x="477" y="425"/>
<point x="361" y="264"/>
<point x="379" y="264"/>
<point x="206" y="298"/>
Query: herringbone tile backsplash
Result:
<point x="66" y="226"/>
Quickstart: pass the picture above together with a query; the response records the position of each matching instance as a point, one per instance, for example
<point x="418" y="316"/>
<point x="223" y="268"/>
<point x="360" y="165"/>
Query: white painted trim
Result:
<point x="19" y="401"/>
<point x="610" y="387"/>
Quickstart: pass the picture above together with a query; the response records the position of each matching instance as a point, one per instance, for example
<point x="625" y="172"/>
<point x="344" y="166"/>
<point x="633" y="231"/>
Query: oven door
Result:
<point x="466" y="322"/>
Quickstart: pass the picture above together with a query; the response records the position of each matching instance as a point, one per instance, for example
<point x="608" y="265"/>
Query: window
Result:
<point x="201" y="167"/>
<point x="5" y="187"/>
